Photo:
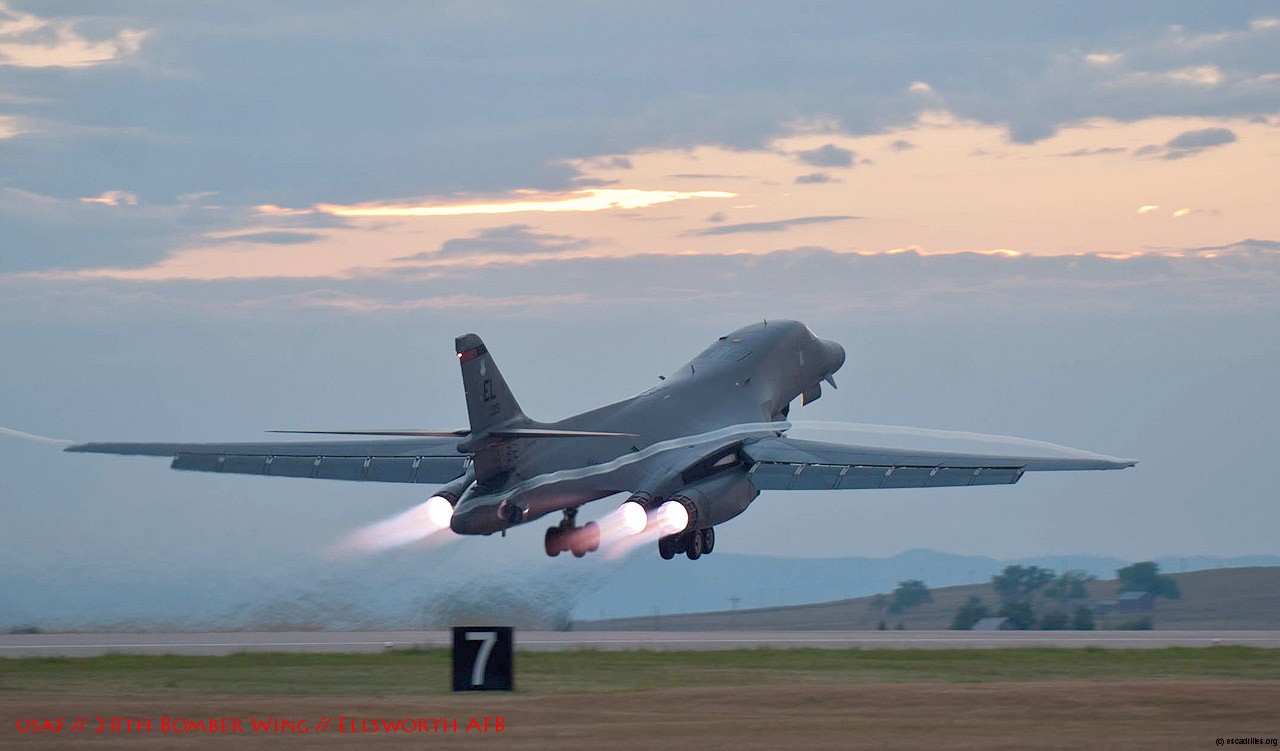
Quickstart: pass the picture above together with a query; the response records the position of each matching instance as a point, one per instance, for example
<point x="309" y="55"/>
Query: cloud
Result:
<point x="1164" y="69"/>
<point x="49" y="232"/>
<point x="1187" y="211"/>
<point x="1250" y="246"/>
<point x="829" y="155"/>
<point x="780" y="225"/>
<point x="706" y="176"/>
<point x="113" y="198"/>
<point x="950" y="205"/>
<point x="355" y="303"/>
<point x="1189" y="143"/>
<point x="611" y="163"/>
<point x="1207" y="76"/>
<point x="1103" y="58"/>
<point x="1194" y="141"/>
<point x="813" y="178"/>
<point x="592" y="199"/>
<point x="512" y="239"/>
<point x="11" y="126"/>
<point x="902" y="144"/>
<point x="1096" y="152"/>
<point x="28" y="41"/>
<point x="873" y="285"/>
<point x="273" y="237"/>
<point x="499" y="121"/>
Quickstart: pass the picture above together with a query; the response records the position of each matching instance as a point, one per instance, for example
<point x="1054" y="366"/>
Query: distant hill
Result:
<point x="1229" y="598"/>
<point x="644" y="584"/>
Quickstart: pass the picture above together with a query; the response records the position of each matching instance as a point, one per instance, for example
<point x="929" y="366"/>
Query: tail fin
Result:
<point x="490" y="403"/>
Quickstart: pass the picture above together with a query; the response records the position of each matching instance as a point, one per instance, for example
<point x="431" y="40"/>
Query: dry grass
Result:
<point x="1166" y="715"/>
<point x="739" y="699"/>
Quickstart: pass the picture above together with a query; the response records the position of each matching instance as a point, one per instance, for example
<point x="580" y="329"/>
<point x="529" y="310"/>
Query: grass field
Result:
<point x="746" y="699"/>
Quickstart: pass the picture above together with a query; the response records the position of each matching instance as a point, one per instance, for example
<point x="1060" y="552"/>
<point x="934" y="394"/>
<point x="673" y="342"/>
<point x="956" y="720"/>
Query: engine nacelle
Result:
<point x="716" y="499"/>
<point x="452" y="491"/>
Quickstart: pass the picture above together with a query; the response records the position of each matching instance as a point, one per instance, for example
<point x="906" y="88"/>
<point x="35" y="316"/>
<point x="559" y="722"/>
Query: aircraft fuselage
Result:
<point x="739" y="387"/>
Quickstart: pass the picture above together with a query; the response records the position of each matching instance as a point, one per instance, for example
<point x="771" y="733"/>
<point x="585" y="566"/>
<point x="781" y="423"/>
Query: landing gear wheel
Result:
<point x="590" y="537"/>
<point x="693" y="548"/>
<point x="551" y="542"/>
<point x="708" y="540"/>
<point x="579" y="552"/>
<point x="667" y="547"/>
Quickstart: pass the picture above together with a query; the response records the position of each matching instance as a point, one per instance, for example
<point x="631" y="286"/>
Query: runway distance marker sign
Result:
<point x="483" y="658"/>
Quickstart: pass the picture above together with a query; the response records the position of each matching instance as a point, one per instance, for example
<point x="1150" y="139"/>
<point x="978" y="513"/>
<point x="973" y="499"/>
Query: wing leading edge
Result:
<point x="422" y="460"/>
<point x="790" y="464"/>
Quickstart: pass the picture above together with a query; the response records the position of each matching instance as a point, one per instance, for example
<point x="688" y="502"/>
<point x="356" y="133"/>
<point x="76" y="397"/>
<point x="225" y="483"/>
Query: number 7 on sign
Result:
<point x="487" y="639"/>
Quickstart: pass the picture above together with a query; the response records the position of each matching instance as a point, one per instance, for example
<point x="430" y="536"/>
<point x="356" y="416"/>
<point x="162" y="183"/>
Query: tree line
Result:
<point x="1032" y="597"/>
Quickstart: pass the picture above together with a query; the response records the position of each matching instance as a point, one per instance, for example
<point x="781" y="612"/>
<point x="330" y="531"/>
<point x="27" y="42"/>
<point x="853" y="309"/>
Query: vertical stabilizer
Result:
<point x="489" y="402"/>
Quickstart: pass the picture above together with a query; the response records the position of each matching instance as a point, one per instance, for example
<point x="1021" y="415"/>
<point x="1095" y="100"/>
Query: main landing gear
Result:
<point x="694" y="543"/>
<point x="567" y="537"/>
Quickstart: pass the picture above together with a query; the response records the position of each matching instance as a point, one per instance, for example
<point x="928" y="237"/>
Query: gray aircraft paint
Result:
<point x="731" y="400"/>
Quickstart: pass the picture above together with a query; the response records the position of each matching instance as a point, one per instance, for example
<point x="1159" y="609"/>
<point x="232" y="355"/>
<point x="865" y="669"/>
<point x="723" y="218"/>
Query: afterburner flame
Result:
<point x="428" y="522"/>
<point x="631" y="530"/>
<point x="634" y="519"/>
<point x="439" y="511"/>
<point x="672" y="517"/>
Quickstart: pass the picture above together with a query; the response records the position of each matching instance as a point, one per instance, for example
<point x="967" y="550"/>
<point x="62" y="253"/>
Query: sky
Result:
<point x="1053" y="220"/>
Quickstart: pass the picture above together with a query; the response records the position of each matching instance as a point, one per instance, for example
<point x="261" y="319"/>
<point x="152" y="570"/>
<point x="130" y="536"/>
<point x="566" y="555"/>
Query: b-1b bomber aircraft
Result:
<point x="692" y="452"/>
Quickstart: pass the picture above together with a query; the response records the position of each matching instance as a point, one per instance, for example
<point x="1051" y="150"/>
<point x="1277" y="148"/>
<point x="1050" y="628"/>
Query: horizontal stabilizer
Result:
<point x="552" y="433"/>
<point x="507" y="433"/>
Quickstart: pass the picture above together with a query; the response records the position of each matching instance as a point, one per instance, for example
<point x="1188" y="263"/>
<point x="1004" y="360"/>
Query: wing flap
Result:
<point x="779" y="463"/>
<point x="408" y="461"/>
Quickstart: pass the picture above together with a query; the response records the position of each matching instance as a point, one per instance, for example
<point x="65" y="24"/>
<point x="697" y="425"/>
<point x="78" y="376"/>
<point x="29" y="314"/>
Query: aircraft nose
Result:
<point x="835" y="353"/>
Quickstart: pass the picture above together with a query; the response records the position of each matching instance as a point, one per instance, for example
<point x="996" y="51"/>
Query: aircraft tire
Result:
<point x="666" y="547"/>
<point x="693" y="548"/>
<point x="708" y="540"/>
<point x="551" y="542"/>
<point x="591" y="534"/>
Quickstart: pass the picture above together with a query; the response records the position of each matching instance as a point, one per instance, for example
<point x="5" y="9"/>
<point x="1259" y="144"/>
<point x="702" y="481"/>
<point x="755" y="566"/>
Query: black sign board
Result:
<point x="483" y="658"/>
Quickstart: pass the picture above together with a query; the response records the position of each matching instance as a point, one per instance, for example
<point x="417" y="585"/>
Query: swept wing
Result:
<point x="421" y="460"/>
<point x="780" y="463"/>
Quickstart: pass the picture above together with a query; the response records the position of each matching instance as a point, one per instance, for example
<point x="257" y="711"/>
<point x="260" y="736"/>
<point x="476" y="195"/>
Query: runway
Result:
<point x="84" y="645"/>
